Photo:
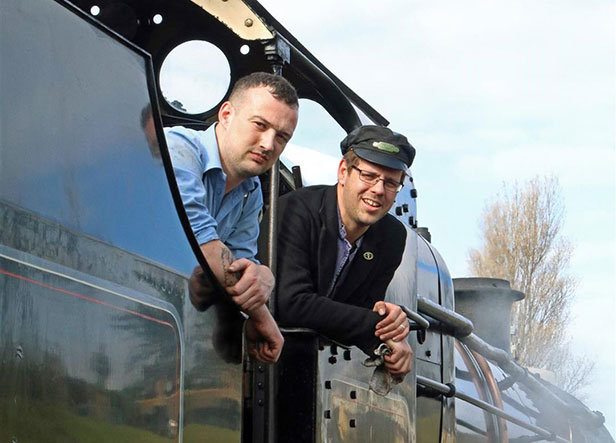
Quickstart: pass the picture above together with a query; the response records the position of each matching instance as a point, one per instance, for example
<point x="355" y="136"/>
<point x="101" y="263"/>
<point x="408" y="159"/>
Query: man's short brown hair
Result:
<point x="278" y="86"/>
<point x="351" y="159"/>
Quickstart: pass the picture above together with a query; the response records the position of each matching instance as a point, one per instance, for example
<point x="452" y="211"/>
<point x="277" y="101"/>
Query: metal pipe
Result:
<point x="447" y="391"/>
<point x="504" y="360"/>
<point x="460" y="326"/>
<point x="272" y="228"/>
<point x="272" y="256"/>
<point x="497" y="399"/>
<point x="422" y="322"/>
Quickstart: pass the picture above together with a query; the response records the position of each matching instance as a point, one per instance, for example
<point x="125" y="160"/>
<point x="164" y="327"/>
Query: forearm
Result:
<point x="248" y="283"/>
<point x="219" y="258"/>
<point x="347" y="324"/>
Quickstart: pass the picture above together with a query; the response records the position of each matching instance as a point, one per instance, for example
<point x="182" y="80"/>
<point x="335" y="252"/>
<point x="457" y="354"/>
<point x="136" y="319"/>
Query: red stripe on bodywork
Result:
<point x="85" y="297"/>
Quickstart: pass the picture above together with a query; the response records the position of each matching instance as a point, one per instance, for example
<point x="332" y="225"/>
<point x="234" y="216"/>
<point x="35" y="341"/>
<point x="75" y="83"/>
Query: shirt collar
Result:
<point x="211" y="149"/>
<point x="213" y="154"/>
<point x="342" y="232"/>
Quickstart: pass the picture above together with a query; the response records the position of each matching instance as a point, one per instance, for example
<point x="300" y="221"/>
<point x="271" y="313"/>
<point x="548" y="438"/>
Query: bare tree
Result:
<point x="522" y="243"/>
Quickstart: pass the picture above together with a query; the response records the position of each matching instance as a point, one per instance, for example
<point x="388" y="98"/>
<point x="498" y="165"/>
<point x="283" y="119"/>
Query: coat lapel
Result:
<point x="328" y="239"/>
<point x="361" y="268"/>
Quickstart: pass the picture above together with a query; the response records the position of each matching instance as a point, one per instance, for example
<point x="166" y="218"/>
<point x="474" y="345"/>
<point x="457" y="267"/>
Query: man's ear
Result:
<point x="343" y="172"/>
<point x="225" y="113"/>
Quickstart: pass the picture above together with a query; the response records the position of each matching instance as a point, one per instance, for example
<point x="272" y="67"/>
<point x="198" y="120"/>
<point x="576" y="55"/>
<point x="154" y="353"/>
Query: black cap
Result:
<point x="380" y="145"/>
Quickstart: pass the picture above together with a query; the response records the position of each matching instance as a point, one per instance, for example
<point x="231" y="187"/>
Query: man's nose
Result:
<point x="378" y="187"/>
<point x="268" y="139"/>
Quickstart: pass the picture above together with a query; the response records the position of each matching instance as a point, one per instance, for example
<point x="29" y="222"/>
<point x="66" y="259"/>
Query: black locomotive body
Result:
<point x="99" y="341"/>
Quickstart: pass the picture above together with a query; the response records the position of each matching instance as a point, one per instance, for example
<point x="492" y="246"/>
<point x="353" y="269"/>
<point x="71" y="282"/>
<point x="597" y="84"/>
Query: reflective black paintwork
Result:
<point x="99" y="341"/>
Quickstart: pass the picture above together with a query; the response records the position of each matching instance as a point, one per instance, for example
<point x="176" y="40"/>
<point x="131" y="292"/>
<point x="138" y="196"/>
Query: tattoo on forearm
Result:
<point x="226" y="258"/>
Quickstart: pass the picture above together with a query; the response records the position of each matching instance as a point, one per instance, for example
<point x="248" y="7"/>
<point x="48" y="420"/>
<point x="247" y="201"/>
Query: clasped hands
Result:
<point x="393" y="330"/>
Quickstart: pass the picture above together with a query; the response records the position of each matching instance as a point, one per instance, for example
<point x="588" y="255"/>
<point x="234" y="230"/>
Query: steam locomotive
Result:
<point x="99" y="340"/>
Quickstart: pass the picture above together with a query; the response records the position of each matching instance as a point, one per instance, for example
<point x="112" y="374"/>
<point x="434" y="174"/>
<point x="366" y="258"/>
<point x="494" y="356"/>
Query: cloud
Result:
<point x="316" y="167"/>
<point x="576" y="166"/>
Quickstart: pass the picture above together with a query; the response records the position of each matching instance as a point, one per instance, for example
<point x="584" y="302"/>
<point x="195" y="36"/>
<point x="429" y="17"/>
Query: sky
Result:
<point x="492" y="92"/>
<point x="489" y="92"/>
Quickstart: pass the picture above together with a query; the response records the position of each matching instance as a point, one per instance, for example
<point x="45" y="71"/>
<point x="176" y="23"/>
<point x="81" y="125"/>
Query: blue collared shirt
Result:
<point x="232" y="218"/>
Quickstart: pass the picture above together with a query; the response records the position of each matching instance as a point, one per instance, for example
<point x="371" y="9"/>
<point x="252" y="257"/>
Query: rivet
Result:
<point x="248" y="22"/>
<point x="428" y="353"/>
<point x="261" y="368"/>
<point x="19" y="352"/>
<point x="260" y="402"/>
<point x="260" y="385"/>
<point x="332" y="360"/>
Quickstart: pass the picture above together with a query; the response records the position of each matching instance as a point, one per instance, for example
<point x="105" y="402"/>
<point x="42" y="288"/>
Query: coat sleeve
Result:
<point x="299" y="304"/>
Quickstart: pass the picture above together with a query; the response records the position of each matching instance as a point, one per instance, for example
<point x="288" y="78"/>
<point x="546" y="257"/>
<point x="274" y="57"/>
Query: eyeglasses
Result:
<point x="370" y="178"/>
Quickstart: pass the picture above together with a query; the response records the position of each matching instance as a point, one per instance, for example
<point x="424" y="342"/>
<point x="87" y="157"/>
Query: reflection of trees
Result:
<point x="213" y="371"/>
<point x="154" y="364"/>
<point x="154" y="351"/>
<point x="167" y="286"/>
<point x="99" y="363"/>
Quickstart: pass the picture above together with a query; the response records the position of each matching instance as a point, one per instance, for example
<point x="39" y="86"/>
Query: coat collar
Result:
<point x="328" y="238"/>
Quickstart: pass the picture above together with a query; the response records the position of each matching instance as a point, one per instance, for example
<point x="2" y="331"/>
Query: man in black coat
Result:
<point x="338" y="249"/>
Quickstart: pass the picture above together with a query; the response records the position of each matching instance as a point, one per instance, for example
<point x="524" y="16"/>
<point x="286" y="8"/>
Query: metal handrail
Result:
<point x="458" y="325"/>
<point x="461" y="328"/>
<point x="504" y="360"/>
<point x="450" y="391"/>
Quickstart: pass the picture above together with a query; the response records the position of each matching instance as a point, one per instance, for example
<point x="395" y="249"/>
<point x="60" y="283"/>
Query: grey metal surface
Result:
<point x="487" y="303"/>
<point x="521" y="374"/>
<point x="428" y="287"/>
<point x="349" y="411"/>
<point x="490" y="408"/>
<point x="448" y="422"/>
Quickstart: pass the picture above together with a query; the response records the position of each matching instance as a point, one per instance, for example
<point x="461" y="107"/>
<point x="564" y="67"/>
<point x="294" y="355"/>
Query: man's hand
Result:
<point x="400" y="361"/>
<point x="264" y="338"/>
<point x="394" y="326"/>
<point x="254" y="286"/>
<point x="201" y="291"/>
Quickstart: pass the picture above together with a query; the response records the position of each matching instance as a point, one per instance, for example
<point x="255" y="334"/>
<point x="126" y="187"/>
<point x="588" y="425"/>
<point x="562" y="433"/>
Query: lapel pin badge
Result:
<point x="368" y="255"/>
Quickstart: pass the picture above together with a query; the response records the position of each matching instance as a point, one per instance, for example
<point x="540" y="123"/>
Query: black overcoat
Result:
<point x="307" y="251"/>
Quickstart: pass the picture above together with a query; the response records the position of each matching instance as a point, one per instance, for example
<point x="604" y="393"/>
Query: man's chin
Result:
<point x="370" y="219"/>
<point x="255" y="170"/>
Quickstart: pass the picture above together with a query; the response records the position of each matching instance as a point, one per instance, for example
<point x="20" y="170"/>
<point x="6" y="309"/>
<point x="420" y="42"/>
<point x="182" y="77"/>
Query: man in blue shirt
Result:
<point x="216" y="172"/>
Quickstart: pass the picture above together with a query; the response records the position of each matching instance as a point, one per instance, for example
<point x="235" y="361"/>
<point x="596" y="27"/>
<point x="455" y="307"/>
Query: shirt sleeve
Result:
<point x="243" y="239"/>
<point x="188" y="166"/>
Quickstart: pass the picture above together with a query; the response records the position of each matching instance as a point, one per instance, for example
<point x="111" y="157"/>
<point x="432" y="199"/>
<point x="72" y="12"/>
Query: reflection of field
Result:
<point x="207" y="433"/>
<point x="43" y="423"/>
<point x="200" y="398"/>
